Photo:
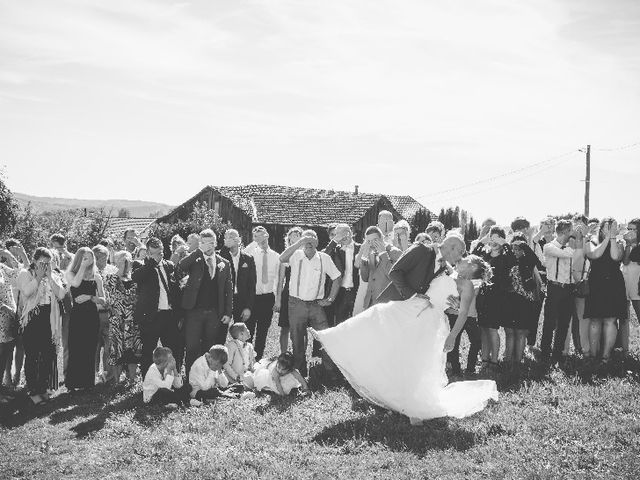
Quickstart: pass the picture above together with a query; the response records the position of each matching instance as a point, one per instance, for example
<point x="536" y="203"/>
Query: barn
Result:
<point x="279" y="208"/>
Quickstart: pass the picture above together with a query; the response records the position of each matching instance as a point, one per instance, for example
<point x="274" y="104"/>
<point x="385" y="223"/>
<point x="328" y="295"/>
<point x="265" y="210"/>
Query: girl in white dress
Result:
<point x="394" y="354"/>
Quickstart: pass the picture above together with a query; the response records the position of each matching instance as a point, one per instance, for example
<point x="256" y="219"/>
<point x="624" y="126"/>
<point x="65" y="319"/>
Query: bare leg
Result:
<point x="132" y="371"/>
<point x="485" y="344"/>
<point x="520" y="343"/>
<point x="495" y="344"/>
<point x="595" y="336"/>
<point x="18" y="360"/>
<point x="623" y="335"/>
<point x="610" y="332"/>
<point x="284" y="339"/>
<point x="584" y="326"/>
<point x="510" y="340"/>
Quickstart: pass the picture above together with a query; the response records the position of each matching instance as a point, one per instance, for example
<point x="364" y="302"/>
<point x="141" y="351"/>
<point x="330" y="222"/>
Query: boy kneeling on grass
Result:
<point x="206" y="376"/>
<point x="163" y="384"/>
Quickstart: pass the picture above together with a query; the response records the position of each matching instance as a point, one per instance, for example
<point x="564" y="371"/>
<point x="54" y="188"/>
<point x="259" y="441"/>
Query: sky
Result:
<point x="153" y="100"/>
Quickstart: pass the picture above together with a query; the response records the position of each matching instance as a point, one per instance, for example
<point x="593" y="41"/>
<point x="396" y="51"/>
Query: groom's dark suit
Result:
<point x="411" y="274"/>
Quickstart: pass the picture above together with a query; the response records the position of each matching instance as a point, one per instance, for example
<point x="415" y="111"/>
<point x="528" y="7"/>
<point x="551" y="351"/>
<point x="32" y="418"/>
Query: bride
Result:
<point x="394" y="354"/>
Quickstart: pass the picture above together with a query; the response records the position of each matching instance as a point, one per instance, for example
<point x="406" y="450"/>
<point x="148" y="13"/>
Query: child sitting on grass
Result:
<point x="162" y="384"/>
<point x="278" y="376"/>
<point x="206" y="376"/>
<point x="241" y="353"/>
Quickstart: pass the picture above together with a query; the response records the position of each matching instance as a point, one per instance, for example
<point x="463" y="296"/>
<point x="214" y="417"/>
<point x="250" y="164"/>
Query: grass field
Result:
<point x="567" y="423"/>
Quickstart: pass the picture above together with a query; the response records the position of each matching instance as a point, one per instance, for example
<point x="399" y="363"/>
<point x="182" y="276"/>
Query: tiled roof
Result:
<point x="283" y="205"/>
<point x="275" y="204"/>
<point x="118" y="225"/>
<point x="405" y="205"/>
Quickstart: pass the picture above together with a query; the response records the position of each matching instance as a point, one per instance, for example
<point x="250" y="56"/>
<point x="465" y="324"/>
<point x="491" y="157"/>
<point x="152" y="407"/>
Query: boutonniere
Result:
<point x="220" y="265"/>
<point x="244" y="265"/>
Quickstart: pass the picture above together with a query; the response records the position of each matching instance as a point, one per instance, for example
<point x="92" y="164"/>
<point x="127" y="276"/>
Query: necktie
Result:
<point x="211" y="267"/>
<point x="265" y="267"/>
<point x="163" y="280"/>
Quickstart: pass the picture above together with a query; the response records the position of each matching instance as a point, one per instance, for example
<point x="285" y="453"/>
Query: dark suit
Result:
<point x="342" y="307"/>
<point x="411" y="274"/>
<point x="244" y="283"/>
<point x="203" y="326"/>
<point x="154" y="323"/>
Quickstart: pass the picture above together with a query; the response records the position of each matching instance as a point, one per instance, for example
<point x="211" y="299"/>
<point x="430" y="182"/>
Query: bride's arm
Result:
<point x="465" y="287"/>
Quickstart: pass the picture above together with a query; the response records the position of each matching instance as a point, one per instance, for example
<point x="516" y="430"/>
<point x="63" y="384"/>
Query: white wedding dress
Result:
<point x="393" y="356"/>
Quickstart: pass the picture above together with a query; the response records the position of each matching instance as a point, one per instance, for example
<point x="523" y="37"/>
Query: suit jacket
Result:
<point x="338" y="256"/>
<point x="148" y="292"/>
<point x="195" y="266"/>
<point x="246" y="279"/>
<point x="378" y="276"/>
<point x="411" y="274"/>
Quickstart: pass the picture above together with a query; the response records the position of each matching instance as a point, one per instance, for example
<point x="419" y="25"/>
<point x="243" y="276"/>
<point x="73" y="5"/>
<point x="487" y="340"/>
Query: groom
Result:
<point x="419" y="265"/>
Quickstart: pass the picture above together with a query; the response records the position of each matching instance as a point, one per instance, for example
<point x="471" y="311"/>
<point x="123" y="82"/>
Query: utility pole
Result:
<point x="587" y="181"/>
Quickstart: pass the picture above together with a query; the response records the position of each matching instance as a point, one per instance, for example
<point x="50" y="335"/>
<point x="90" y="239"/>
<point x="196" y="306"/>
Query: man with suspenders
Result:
<point x="559" y="305"/>
<point x="309" y="269"/>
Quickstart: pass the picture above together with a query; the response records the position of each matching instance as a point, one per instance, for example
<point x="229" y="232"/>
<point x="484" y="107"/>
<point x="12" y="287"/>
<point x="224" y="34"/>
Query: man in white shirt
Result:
<point x="560" y="301"/>
<point x="309" y="269"/>
<point x="267" y="265"/>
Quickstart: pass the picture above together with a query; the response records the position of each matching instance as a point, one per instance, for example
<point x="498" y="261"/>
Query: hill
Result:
<point x="137" y="208"/>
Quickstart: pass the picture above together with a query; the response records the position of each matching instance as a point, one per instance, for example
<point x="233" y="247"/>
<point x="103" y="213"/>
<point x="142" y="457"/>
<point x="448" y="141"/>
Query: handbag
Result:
<point x="582" y="285"/>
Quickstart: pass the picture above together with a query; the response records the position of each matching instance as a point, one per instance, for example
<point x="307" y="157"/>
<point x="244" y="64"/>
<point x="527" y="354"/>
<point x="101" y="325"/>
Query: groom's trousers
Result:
<point x="304" y="314"/>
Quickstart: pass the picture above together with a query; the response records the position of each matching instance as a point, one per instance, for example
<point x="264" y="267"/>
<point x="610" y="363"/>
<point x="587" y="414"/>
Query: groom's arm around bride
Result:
<point x="411" y="274"/>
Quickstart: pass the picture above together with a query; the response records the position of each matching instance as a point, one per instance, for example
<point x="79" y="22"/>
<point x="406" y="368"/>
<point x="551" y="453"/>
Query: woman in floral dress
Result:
<point x="126" y="343"/>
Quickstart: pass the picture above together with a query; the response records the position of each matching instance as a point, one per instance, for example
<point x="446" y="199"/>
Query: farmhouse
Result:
<point x="279" y="208"/>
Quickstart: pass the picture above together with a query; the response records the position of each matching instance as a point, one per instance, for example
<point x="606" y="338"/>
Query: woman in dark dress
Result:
<point x="282" y="293"/>
<point x="492" y="303"/>
<point x="524" y="299"/>
<point x="86" y="292"/>
<point x="607" y="299"/>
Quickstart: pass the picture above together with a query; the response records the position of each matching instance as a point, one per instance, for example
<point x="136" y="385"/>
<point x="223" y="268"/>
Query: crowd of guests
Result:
<point x="195" y="325"/>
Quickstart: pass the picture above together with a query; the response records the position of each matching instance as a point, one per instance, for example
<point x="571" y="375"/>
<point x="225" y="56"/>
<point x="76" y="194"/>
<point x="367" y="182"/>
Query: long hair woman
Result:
<point x="87" y="293"/>
<point x="40" y="321"/>
<point x="607" y="300"/>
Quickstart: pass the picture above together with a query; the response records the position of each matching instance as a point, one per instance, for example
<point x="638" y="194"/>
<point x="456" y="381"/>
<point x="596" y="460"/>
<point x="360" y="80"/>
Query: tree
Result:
<point x="200" y="218"/>
<point x="8" y="208"/>
<point x="420" y="221"/>
<point x="124" y="213"/>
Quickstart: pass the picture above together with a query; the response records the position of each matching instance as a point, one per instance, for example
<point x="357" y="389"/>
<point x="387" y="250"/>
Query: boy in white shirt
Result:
<point x="163" y="384"/>
<point x="206" y="375"/>
<point x="241" y="353"/>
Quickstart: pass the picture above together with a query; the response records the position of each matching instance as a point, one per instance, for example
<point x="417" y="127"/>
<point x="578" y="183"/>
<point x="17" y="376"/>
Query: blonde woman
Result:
<point x="86" y="293"/>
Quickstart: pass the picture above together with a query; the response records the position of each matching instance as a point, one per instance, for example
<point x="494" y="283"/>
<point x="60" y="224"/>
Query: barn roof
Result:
<point x="118" y="225"/>
<point x="283" y="205"/>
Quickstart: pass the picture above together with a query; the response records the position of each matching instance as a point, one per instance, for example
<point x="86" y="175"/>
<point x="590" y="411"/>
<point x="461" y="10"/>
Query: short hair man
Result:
<point x="309" y="269"/>
<point x="267" y="267"/>
<point x="560" y="302"/>
<point x="59" y="244"/>
<point x="376" y="264"/>
<point x="207" y="298"/>
<point x="156" y="305"/>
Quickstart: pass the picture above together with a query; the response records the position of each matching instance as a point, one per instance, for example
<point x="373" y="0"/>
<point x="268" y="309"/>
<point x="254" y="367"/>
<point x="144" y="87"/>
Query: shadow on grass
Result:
<point x="397" y="434"/>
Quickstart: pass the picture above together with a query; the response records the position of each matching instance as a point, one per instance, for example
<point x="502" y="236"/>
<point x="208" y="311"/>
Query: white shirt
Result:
<point x="347" y="279"/>
<point x="273" y="266"/>
<point x="236" y="263"/>
<point x="206" y="263"/>
<point x="437" y="265"/>
<point x="559" y="262"/>
<point x="153" y="381"/>
<point x="201" y="377"/>
<point x="308" y="275"/>
<point x="163" y="299"/>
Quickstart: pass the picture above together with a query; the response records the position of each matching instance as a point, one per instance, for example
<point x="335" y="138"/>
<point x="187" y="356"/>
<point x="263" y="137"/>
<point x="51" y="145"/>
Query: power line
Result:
<point x="616" y="149"/>
<point x="492" y="187"/>
<point x="496" y="177"/>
